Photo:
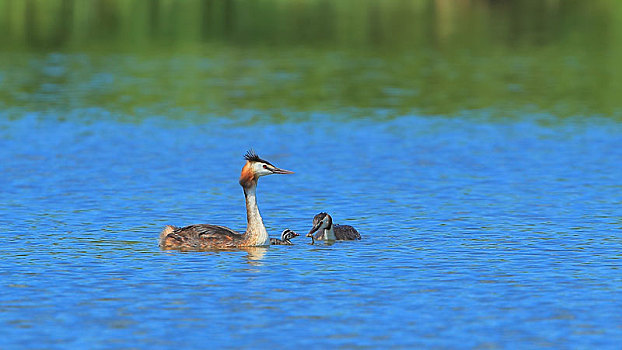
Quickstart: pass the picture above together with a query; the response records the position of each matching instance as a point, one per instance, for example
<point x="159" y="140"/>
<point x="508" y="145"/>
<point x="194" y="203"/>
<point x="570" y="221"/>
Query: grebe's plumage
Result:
<point x="326" y="230"/>
<point x="286" y="235"/>
<point x="201" y="237"/>
<point x="205" y="236"/>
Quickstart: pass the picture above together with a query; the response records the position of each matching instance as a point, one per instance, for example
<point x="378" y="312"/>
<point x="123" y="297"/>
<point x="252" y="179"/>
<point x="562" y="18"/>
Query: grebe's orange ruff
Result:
<point x="205" y="236"/>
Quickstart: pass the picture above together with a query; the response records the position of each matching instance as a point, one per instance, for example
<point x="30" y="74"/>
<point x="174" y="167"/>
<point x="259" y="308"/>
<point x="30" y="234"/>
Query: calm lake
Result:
<point x="476" y="146"/>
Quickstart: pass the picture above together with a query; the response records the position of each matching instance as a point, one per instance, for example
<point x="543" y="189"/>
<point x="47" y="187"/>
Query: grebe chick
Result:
<point x="286" y="235"/>
<point x="326" y="230"/>
<point x="205" y="237"/>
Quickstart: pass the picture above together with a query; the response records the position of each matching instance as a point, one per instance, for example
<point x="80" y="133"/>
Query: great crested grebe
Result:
<point x="326" y="230"/>
<point x="286" y="235"/>
<point x="204" y="236"/>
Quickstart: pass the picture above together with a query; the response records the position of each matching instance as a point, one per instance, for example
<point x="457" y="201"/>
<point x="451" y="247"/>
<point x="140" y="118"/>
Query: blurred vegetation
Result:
<point x="223" y="57"/>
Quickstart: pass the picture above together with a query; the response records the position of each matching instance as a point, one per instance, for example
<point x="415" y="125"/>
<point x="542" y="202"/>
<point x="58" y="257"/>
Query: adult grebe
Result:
<point x="286" y="235"/>
<point x="323" y="224"/>
<point x="203" y="236"/>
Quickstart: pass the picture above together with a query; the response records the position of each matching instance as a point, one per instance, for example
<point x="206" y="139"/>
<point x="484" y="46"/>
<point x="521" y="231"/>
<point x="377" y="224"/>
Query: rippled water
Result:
<point x="476" y="233"/>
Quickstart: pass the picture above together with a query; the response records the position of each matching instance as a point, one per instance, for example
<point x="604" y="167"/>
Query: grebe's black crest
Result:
<point x="251" y="156"/>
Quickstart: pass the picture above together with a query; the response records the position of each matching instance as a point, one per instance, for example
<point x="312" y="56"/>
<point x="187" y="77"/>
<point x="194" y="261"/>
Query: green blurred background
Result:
<point x="280" y="57"/>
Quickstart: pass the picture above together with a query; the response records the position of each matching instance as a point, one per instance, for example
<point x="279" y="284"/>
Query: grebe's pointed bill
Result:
<point x="276" y="170"/>
<point x="315" y="228"/>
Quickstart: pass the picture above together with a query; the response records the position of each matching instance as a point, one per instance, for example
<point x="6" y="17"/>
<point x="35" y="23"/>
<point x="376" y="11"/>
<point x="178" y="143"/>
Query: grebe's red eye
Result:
<point x="265" y="166"/>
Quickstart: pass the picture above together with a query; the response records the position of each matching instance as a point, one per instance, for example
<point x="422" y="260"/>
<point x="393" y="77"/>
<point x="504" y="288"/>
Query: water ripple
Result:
<point x="477" y="234"/>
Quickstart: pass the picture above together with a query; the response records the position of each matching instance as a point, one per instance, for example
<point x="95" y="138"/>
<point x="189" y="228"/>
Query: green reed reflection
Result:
<point x="277" y="56"/>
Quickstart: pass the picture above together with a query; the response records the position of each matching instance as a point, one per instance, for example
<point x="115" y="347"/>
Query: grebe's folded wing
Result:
<point x="201" y="236"/>
<point x="207" y="232"/>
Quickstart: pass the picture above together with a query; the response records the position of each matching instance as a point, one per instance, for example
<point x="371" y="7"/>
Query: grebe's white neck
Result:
<point x="329" y="233"/>
<point x="256" y="234"/>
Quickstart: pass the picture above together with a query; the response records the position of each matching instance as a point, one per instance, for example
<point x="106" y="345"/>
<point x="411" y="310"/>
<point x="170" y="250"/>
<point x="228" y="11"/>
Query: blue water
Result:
<point x="477" y="233"/>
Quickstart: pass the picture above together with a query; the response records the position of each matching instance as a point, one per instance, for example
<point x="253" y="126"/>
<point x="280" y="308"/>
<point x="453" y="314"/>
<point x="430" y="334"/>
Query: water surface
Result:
<point x="477" y="234"/>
